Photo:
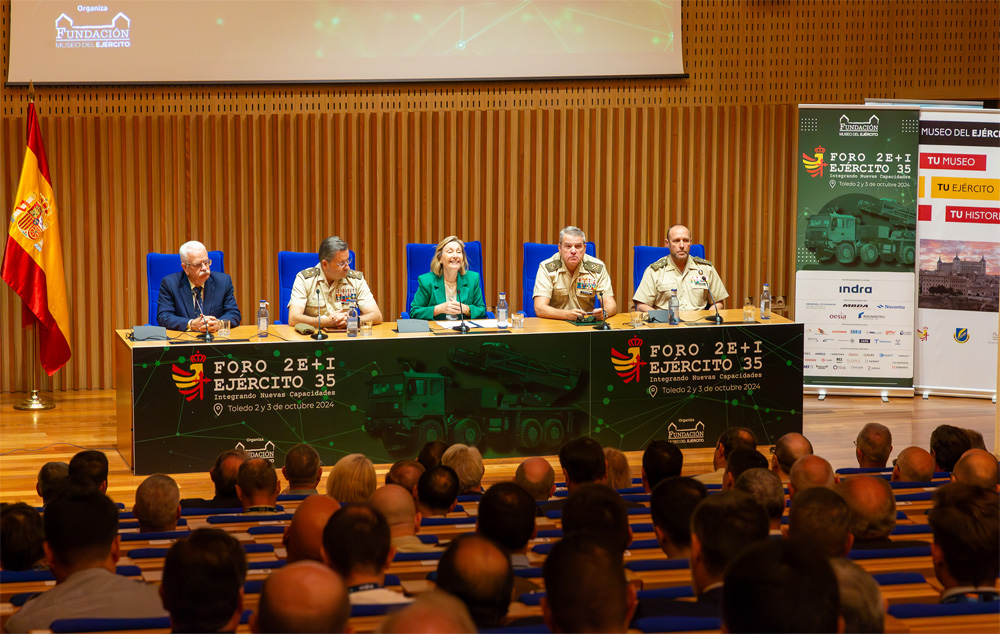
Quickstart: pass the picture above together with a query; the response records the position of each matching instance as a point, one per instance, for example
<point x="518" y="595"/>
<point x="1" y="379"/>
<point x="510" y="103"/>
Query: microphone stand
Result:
<point x="462" y="327"/>
<point x="717" y="318"/>
<point x="319" y="335"/>
<point x="208" y="336"/>
<point x="604" y="323"/>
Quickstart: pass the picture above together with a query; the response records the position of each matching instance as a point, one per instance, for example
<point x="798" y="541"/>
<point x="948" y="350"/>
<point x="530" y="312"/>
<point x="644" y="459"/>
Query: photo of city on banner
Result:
<point x="898" y="247"/>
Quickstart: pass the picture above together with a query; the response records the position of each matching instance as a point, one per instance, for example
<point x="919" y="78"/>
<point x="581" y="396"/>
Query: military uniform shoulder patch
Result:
<point x="701" y="260"/>
<point x="594" y="267"/>
<point x="553" y="265"/>
<point x="659" y="264"/>
<point x="355" y="275"/>
<point x="313" y="272"/>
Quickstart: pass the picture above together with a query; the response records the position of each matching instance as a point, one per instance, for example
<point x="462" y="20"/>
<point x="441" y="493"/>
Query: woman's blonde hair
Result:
<point x="352" y="479"/>
<point x="437" y="267"/>
<point x="619" y="473"/>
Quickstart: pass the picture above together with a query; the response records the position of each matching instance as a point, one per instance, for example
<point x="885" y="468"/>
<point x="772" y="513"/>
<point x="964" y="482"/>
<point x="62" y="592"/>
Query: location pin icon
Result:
<point x="218" y="409"/>
<point x="652" y="390"/>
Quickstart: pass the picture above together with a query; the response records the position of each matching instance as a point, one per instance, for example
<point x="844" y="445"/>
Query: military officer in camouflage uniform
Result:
<point x="682" y="271"/>
<point x="568" y="284"/>
<point x="338" y="285"/>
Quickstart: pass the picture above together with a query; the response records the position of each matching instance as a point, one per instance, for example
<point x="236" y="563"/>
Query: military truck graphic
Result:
<point x="534" y="412"/>
<point x="846" y="236"/>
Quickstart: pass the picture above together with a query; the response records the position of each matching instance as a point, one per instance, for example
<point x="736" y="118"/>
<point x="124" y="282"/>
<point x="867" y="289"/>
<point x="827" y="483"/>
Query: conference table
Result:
<point x="511" y="392"/>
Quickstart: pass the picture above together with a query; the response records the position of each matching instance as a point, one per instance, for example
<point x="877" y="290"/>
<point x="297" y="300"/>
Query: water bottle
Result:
<point x="352" y="321"/>
<point x="673" y="308"/>
<point x="502" y="311"/>
<point x="262" y="319"/>
<point x="765" y="302"/>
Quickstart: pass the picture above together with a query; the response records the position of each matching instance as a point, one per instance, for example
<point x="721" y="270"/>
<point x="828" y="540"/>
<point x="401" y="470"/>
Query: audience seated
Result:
<point x="873" y="446"/>
<point x="948" y="443"/>
<point x="302" y="470"/>
<point x="257" y="486"/>
<point x="786" y="451"/>
<point x="430" y="454"/>
<point x="81" y="545"/>
<point x="203" y="578"/>
<point x="400" y="511"/>
<point x="405" y="473"/>
<point x="739" y="461"/>
<point x="913" y="464"/>
<point x="732" y="438"/>
<point x="661" y="460"/>
<point x="477" y="571"/>
<point x="430" y="613"/>
<point x="358" y="546"/>
<point x="965" y="521"/>
<point x="586" y="589"/>
<point x="809" y="472"/>
<point x="861" y="604"/>
<point x="90" y="467"/>
<point x="303" y="538"/>
<point x="304" y="596"/>
<point x="437" y="491"/>
<point x="781" y="586"/>
<point x="537" y="477"/>
<point x="975" y="439"/>
<point x="507" y="516"/>
<point x="468" y="465"/>
<point x="765" y="487"/>
<point x="873" y="513"/>
<point x="672" y="504"/>
<point x="51" y="477"/>
<point x="157" y="504"/>
<point x="977" y="468"/>
<point x="619" y="473"/>
<point x="22" y="534"/>
<point x="582" y="461"/>
<point x="821" y="519"/>
<point x="597" y="511"/>
<point x="223" y="474"/>
<point x="352" y="479"/>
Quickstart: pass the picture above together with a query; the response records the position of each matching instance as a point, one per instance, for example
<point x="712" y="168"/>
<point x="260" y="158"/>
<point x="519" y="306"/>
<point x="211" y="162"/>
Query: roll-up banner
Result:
<point x="856" y="247"/>
<point x="958" y="240"/>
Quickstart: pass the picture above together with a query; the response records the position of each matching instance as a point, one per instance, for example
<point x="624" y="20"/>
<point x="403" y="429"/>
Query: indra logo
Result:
<point x="857" y="288"/>
<point x="962" y="335"/>
<point x="629" y="366"/>
<point x="849" y="305"/>
<point x="191" y="383"/>
<point x="814" y="165"/>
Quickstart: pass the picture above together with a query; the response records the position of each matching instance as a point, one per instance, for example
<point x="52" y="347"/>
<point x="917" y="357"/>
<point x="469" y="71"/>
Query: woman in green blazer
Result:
<point x="448" y="285"/>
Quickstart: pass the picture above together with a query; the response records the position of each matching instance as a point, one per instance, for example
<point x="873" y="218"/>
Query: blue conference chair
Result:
<point x="160" y="265"/>
<point x="642" y="257"/>
<point x="289" y="265"/>
<point x="418" y="262"/>
<point x="534" y="254"/>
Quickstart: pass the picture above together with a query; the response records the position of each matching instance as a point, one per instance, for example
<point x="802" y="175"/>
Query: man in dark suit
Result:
<point x="196" y="298"/>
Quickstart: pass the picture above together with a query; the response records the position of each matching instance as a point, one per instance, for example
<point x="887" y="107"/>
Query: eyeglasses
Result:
<point x="198" y="265"/>
<point x="346" y="264"/>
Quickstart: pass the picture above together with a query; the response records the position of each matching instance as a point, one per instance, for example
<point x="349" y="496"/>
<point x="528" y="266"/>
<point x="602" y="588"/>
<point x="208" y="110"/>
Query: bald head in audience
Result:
<point x="873" y="507"/>
<point x="787" y="450"/>
<point x="405" y="473"/>
<point x="913" y="464"/>
<point x="978" y="468"/>
<point x="304" y="596"/>
<point x="478" y="572"/>
<point x="399" y="509"/>
<point x="809" y="472"/>
<point x="874" y="444"/>
<point x="157" y="504"/>
<point x="537" y="477"/>
<point x="431" y="613"/>
<point x="304" y="535"/>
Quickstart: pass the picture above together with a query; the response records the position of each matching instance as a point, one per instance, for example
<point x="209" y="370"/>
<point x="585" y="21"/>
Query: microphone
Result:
<point x="717" y="318"/>
<point x="319" y="335"/>
<point x="462" y="327"/>
<point x="201" y="311"/>
<point x="604" y="323"/>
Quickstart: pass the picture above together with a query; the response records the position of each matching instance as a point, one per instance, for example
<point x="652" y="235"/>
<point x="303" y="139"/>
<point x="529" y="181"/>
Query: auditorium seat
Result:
<point x="643" y="256"/>
<point x="534" y="254"/>
<point x="160" y="265"/>
<point x="289" y="265"/>
<point x="418" y="262"/>
<point x="678" y="624"/>
<point x="150" y="625"/>
<point x="948" y="617"/>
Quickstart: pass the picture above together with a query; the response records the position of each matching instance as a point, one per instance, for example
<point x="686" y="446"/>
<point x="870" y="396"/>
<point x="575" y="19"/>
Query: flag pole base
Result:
<point x="34" y="402"/>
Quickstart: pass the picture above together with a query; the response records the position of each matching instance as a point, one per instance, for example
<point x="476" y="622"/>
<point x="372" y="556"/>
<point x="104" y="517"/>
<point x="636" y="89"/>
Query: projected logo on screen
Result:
<point x="114" y="35"/>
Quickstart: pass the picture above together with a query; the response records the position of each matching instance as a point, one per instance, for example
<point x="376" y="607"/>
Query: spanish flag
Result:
<point x="33" y="261"/>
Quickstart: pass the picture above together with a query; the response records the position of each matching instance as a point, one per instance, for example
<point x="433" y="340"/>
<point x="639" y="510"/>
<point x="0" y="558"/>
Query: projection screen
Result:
<point x="225" y="41"/>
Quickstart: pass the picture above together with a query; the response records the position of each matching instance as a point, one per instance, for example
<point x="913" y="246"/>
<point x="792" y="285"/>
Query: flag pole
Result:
<point x="34" y="401"/>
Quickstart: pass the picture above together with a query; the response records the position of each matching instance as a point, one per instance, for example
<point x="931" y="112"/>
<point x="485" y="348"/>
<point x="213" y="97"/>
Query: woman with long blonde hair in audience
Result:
<point x="352" y="479"/>
<point x="619" y="473"/>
